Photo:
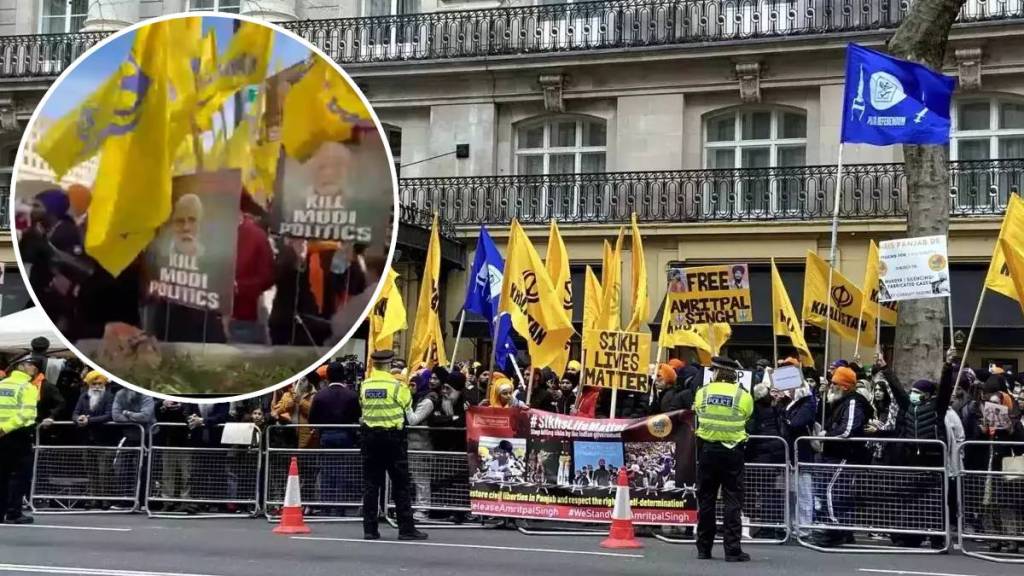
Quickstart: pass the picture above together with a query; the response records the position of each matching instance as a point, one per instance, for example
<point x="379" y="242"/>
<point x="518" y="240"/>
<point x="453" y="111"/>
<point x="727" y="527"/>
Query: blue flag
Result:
<point x="484" y="292"/>
<point x="892" y="101"/>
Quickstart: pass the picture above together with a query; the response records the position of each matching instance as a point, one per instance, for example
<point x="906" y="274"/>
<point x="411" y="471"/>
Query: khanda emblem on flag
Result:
<point x="567" y="301"/>
<point x="530" y="285"/>
<point x="134" y="84"/>
<point x="435" y="297"/>
<point x="841" y="296"/>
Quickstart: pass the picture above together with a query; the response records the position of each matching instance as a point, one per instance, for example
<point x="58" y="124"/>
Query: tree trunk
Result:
<point x="922" y="38"/>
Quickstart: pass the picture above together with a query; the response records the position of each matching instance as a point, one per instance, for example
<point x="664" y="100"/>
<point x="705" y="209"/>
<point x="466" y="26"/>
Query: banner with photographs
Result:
<point x="710" y="294"/>
<point x="191" y="261"/>
<point x="541" y="465"/>
<point x="341" y="193"/>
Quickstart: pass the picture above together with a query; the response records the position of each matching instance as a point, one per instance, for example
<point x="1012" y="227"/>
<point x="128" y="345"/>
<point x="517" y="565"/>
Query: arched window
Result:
<point x="561" y="145"/>
<point x="986" y="128"/>
<point x="753" y="142"/>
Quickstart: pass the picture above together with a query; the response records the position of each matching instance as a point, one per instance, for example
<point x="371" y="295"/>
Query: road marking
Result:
<point x="473" y="546"/>
<point x="26" y="568"/>
<point x="56" y="527"/>
<point x="909" y="573"/>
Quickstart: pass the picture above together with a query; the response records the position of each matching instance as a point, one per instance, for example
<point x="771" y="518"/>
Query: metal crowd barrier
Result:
<point x="766" y="501"/>
<point x="203" y="478"/>
<point x="69" y="476"/>
<point x="439" y="479"/>
<point x="991" y="500"/>
<point x="907" y="501"/>
<point x="331" y="477"/>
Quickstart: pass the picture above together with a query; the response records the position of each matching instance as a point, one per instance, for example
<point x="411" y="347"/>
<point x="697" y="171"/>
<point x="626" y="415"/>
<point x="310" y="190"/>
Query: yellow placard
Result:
<point x="616" y="359"/>
<point x="711" y="294"/>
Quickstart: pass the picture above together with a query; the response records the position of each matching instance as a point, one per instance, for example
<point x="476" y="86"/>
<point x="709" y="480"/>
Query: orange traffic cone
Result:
<point x="292" y="521"/>
<point x="621" y="534"/>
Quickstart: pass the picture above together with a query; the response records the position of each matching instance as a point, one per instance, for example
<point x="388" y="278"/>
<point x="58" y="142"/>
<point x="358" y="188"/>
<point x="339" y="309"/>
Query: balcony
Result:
<point x="601" y="25"/>
<point x="870" y="191"/>
<point x="608" y="24"/>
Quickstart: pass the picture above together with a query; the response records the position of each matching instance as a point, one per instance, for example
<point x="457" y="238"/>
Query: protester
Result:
<point x="848" y="417"/>
<point x="799" y="411"/>
<point x="502" y="392"/>
<point x="52" y="238"/>
<point x="336" y="409"/>
<point x="93" y="412"/>
<point x="131" y="407"/>
<point x="565" y="398"/>
<point x="254" y="275"/>
<point x="175" y="465"/>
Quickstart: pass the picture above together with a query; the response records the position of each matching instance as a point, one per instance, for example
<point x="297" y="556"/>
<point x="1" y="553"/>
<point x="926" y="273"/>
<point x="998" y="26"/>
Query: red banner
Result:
<point x="534" y="464"/>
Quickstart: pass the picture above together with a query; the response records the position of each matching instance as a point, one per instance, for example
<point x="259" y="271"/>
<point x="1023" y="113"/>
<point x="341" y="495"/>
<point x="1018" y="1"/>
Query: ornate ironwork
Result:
<point x="43" y="55"/>
<point x="869" y="191"/>
<point x="607" y="24"/>
<point x="5" y="208"/>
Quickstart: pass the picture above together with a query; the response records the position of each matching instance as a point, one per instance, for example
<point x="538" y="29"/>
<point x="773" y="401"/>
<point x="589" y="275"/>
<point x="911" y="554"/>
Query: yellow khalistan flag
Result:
<point x="238" y="153"/>
<point x="1012" y="230"/>
<point x="611" y="281"/>
<point x="843" y="304"/>
<point x="387" y="316"/>
<point x="187" y="34"/>
<point x="592" y="295"/>
<point x="243" y="63"/>
<point x="1015" y="265"/>
<point x="641" y="307"/>
<point x="427" y="340"/>
<point x="785" y="321"/>
<point x="206" y="81"/>
<point x="528" y="295"/>
<point x="675" y="333"/>
<point x="185" y="157"/>
<point x="132" y="193"/>
<point x="872" y="307"/>
<point x="320" y="107"/>
<point x="557" y="262"/>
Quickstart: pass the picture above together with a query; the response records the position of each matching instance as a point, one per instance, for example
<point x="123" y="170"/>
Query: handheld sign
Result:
<point x="787" y="378"/>
<point x="912" y="268"/>
<point x="746" y="378"/>
<point x="711" y="294"/>
<point x="616" y="359"/>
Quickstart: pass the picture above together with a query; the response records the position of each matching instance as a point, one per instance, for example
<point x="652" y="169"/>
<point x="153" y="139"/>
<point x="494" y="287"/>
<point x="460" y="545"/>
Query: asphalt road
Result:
<point x="134" y="545"/>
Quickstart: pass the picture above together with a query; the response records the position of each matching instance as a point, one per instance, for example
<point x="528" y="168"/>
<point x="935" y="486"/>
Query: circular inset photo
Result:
<point x="205" y="205"/>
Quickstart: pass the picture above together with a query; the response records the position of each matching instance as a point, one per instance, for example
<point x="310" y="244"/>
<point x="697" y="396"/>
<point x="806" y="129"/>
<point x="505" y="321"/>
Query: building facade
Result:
<point x="715" y="121"/>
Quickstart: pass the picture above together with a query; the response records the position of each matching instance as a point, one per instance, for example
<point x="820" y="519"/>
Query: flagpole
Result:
<point x="970" y="338"/>
<point x="832" y="256"/>
<point x="949" y="300"/>
<point x="878" y="329"/>
<point x="860" y="320"/>
<point x="615" y="398"/>
<point x="775" y="306"/>
<point x="529" y="385"/>
<point x="515" y="366"/>
<point x="458" y="336"/>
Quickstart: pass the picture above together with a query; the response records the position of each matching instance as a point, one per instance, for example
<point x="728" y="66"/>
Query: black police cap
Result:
<point x="382" y="356"/>
<point x="725" y="363"/>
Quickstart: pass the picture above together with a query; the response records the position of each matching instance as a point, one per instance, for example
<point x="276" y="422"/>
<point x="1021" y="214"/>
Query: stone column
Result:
<point x="111" y="15"/>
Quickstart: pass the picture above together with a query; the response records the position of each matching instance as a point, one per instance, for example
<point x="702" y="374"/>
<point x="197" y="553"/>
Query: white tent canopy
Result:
<point x="17" y="330"/>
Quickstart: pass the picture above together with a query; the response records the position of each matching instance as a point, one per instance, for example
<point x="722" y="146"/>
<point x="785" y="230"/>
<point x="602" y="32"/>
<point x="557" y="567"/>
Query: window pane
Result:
<point x="379" y="7"/>
<point x="973" y="116"/>
<point x="531" y="137"/>
<point x="409" y="7"/>
<point x="756" y="158"/>
<point x="201" y="4"/>
<point x="564" y="134"/>
<point x="972" y="150"/>
<point x="722" y="158"/>
<point x="54" y="7"/>
<point x="531" y="165"/>
<point x="1011" y="148"/>
<point x="1011" y="115"/>
<point x="80" y="7"/>
<point x="722" y="128"/>
<point x="53" y="25"/>
<point x="594" y="134"/>
<point x="793" y="125"/>
<point x="592" y="162"/>
<point x="78" y="22"/>
<point x="792" y="156"/>
<point x="756" y="125"/>
<point x="562" y="164"/>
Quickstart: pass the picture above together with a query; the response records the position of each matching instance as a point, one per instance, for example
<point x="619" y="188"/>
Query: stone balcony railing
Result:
<point x="805" y="193"/>
<point x="524" y="30"/>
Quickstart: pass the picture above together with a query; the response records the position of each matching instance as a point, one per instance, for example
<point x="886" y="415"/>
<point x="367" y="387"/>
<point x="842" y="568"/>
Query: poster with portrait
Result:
<point x="912" y="268"/>
<point x="541" y="465"/>
<point x="191" y="261"/>
<point x="341" y="193"/>
<point x="711" y="294"/>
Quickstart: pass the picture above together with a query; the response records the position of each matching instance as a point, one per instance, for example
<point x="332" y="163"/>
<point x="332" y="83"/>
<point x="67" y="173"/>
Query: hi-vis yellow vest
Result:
<point x="723" y="409"/>
<point x="18" y="398"/>
<point x="384" y="400"/>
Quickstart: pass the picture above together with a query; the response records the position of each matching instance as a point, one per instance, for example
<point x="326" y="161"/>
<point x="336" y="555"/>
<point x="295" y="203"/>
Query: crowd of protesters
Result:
<point x="848" y="401"/>
<point x="287" y="291"/>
